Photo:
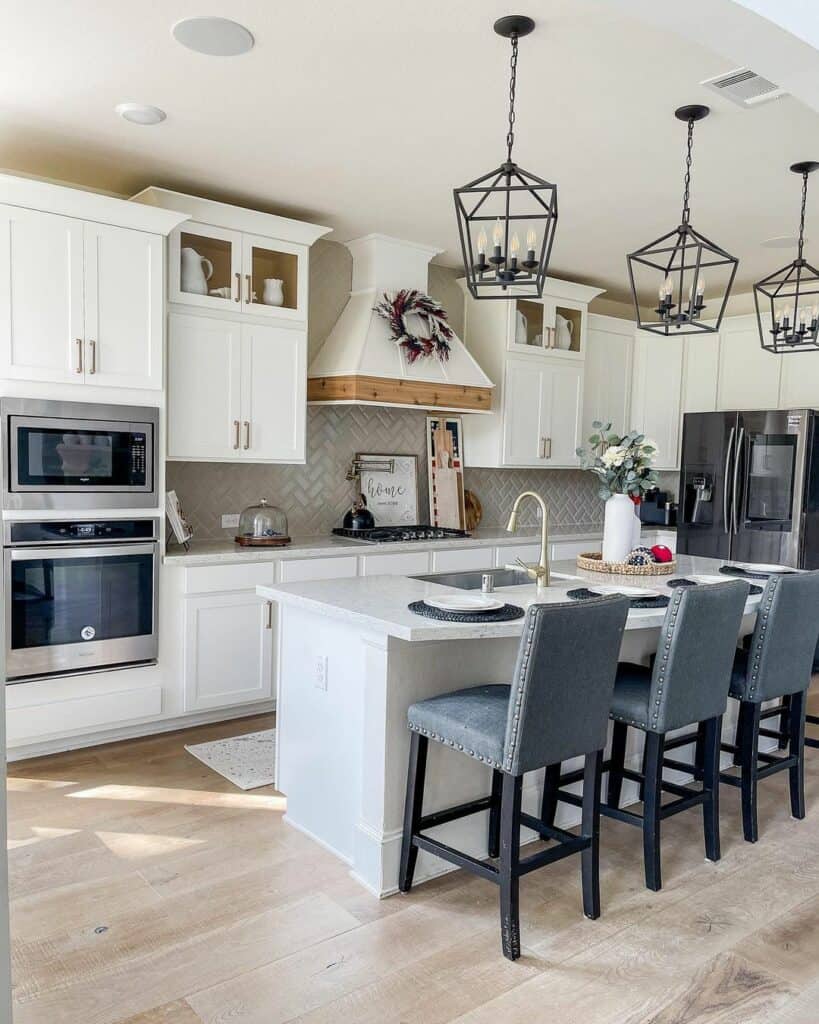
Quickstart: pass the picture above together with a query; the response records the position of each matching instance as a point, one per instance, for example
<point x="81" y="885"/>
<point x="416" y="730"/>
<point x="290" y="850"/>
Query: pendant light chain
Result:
<point x="802" y="215"/>
<point x="686" y="212"/>
<point x="513" y="67"/>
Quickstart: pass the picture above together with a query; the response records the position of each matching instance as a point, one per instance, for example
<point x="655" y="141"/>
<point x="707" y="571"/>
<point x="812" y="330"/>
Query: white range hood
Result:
<point x="360" y="364"/>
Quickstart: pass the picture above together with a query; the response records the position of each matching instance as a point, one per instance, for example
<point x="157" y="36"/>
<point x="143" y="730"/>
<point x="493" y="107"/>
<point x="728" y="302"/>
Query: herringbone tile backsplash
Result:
<point x="315" y="496"/>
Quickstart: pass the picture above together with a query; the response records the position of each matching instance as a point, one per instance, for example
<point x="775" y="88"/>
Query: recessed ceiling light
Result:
<point x="140" y="113"/>
<point x="781" y="242"/>
<point x="216" y="37"/>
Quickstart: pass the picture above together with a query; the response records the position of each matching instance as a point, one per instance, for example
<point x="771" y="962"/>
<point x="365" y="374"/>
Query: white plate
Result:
<point x="610" y="588"/>
<point x="698" y="578"/>
<point x="465" y="603"/>
<point x="761" y="567"/>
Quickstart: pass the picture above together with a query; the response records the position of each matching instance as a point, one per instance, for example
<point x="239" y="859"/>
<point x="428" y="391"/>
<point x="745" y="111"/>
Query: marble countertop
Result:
<point x="379" y="603"/>
<point x="220" y="552"/>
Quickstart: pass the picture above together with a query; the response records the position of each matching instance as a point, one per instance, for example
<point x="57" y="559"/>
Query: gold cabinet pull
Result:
<point x="547" y="447"/>
<point x="247" y="434"/>
<point x="269" y="623"/>
<point x="238" y="277"/>
<point x="236" y="427"/>
<point x="79" y="355"/>
<point x="93" y="346"/>
<point x="249" y="291"/>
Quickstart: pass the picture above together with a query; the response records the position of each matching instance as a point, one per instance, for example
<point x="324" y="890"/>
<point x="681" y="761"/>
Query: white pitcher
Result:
<point x="563" y="332"/>
<point x="194" y="277"/>
<point x="273" y="292"/>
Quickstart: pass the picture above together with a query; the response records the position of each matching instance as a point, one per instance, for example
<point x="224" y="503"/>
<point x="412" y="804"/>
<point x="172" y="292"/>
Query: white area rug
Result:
<point x="247" y="761"/>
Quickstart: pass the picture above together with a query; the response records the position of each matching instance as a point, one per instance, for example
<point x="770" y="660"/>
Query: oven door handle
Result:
<point x="24" y="554"/>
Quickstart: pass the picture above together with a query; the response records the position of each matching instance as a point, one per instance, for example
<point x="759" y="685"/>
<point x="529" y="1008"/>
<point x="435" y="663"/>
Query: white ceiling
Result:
<point x="364" y="116"/>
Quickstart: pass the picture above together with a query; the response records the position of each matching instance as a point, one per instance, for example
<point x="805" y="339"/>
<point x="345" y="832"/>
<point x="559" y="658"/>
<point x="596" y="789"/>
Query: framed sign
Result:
<point x="390" y="487"/>
<point x="445" y="464"/>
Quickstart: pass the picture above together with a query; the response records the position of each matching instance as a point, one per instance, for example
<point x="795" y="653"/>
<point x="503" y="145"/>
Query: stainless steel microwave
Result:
<point x="72" y="455"/>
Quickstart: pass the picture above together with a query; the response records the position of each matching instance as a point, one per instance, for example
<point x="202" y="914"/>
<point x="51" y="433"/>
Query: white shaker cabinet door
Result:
<point x="607" y="383"/>
<point x="228" y="650"/>
<point x="274" y="393"/>
<point x="748" y="375"/>
<point x="204" y="388"/>
<point x="123" y="307"/>
<point x="656" y="394"/>
<point x="561" y="411"/>
<point x="799" y="386"/>
<point x="41" y="296"/>
<point x="523" y="394"/>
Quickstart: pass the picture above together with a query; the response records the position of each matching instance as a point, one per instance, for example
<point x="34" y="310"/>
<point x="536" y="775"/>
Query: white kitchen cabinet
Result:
<point x="236" y="391"/>
<point x="41" y="296"/>
<point x="508" y="554"/>
<point x="748" y="375"/>
<point x="204" y="388"/>
<point x="544" y="408"/>
<point x="656" y="394"/>
<point x="297" y="570"/>
<point x="608" y="368"/>
<point x="82" y="302"/>
<point x="537" y="406"/>
<point x="700" y="373"/>
<point x="124" y="307"/>
<point x="462" y="559"/>
<point x="568" y="550"/>
<point x="799" y="383"/>
<point x="403" y="563"/>
<point x="228" y="650"/>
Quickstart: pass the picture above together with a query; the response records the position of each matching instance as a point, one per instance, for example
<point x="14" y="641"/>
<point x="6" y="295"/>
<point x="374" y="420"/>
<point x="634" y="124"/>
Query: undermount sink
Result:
<point x="472" y="580"/>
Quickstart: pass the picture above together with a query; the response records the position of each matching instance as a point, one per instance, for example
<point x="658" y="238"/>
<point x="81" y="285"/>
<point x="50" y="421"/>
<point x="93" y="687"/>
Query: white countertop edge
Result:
<point x="226" y="552"/>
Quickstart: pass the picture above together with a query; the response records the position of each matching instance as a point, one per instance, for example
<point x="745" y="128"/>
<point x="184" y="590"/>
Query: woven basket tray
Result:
<point x="593" y="562"/>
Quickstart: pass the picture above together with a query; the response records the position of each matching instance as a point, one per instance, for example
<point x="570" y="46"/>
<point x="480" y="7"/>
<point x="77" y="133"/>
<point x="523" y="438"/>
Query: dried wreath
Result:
<point x="394" y="307"/>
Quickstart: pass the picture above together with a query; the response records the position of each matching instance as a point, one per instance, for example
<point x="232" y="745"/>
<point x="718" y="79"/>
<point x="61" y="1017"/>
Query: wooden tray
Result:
<point x="593" y="562"/>
<point x="262" y="542"/>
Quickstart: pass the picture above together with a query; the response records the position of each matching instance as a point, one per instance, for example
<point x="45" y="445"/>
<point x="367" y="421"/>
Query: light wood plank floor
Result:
<point x="148" y="890"/>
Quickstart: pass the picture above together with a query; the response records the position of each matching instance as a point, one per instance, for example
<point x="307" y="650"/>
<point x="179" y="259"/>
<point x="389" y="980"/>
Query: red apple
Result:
<point x="662" y="553"/>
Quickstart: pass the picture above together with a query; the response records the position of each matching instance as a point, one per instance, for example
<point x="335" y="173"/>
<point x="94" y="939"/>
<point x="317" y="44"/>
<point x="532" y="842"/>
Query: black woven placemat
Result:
<point x="693" y="583"/>
<point x="583" y="594"/>
<point x="505" y="614"/>
<point x="734" y="570"/>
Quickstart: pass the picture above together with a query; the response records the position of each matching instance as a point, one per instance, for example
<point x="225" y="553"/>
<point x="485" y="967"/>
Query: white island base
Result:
<point x="352" y="660"/>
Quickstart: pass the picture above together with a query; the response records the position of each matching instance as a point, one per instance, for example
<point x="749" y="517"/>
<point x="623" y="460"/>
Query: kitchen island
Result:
<point x="352" y="658"/>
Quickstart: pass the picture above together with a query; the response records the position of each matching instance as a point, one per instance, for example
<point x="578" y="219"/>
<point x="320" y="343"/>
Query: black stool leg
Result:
<point x="643" y="775"/>
<point x="655" y="743"/>
<point x="412" y="808"/>
<point x="785" y="723"/>
<point x="495" y="813"/>
<point x="509" y="861"/>
<point x="616" y="764"/>
<point x="710" y="784"/>
<point x="699" y="750"/>
<point x="749" y="763"/>
<point x="796" y="730"/>
<point x="590" y="829"/>
<point x="551" y="784"/>
<point x="736" y="757"/>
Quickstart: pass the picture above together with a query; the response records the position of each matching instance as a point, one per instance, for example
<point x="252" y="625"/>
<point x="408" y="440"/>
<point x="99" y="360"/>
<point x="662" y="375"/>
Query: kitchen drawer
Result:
<point x="507" y="555"/>
<point x="213" y="579"/>
<point x="299" y="569"/>
<point x="93" y="711"/>
<point x="460" y="559"/>
<point x="407" y="563"/>
<point x="563" y="550"/>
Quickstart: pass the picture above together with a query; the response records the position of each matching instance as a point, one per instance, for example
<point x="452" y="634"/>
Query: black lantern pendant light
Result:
<point x="789" y="296"/>
<point x="671" y="271"/>
<point x="515" y="207"/>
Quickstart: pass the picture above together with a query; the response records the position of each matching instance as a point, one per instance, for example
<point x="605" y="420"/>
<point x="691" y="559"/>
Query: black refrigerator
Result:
<point x="749" y="486"/>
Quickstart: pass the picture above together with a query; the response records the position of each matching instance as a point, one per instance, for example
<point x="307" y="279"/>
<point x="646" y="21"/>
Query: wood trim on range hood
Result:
<point x="361" y="390"/>
<point x="360" y="362"/>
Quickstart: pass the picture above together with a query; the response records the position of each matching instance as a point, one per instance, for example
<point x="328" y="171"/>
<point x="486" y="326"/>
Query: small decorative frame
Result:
<point x="176" y="517"/>
<point x="445" y="465"/>
<point x="390" y="487"/>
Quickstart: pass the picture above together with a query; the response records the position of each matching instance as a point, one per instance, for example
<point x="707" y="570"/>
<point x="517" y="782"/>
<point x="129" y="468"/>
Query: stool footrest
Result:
<point x="558" y="835"/>
<point x="554" y="853"/>
<point x="681" y="741"/>
<point x="453" y="813"/>
<point x="461" y="860"/>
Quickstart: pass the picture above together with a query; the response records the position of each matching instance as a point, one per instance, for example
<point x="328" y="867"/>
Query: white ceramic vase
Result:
<point x="618" y="528"/>
<point x="273" y="294"/>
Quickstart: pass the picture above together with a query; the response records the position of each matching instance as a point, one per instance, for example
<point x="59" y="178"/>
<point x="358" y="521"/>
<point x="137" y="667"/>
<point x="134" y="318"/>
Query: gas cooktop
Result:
<point x="386" y="534"/>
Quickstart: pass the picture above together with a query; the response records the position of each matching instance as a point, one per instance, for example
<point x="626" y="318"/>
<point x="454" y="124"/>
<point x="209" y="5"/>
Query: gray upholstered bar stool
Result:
<point x="776" y="665"/>
<point x="556" y="707"/>
<point x="687" y="684"/>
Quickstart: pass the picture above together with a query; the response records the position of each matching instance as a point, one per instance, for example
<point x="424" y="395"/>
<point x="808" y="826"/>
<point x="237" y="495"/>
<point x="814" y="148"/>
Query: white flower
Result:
<point x="613" y="456"/>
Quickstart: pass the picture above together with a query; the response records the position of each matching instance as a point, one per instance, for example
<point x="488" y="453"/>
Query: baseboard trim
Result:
<point x="130" y="732"/>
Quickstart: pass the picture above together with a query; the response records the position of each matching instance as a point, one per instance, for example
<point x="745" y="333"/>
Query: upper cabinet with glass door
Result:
<point x="236" y="260"/>
<point x="554" y="325"/>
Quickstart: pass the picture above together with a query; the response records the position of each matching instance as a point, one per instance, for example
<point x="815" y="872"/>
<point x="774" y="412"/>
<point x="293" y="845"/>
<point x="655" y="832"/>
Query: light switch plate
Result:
<point x="230" y="521"/>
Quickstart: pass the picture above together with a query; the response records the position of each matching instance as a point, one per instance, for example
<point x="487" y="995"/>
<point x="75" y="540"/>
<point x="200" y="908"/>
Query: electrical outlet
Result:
<point x="321" y="672"/>
<point x="230" y="521"/>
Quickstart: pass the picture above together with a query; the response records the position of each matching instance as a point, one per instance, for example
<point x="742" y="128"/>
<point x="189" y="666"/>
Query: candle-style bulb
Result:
<point x="669" y="286"/>
<point x="482" y="241"/>
<point x="514" y="245"/>
<point x="497" y="234"/>
<point x="700" y="285"/>
<point x="531" y="238"/>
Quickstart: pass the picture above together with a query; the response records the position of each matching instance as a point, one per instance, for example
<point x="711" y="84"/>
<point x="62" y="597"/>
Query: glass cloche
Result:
<point x="263" y="524"/>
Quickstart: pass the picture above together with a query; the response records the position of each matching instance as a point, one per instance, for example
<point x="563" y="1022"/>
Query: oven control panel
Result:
<point x="81" y="531"/>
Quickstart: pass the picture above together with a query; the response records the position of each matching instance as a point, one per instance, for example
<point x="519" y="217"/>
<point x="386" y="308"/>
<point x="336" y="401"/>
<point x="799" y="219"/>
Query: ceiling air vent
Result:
<point x="744" y="87"/>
